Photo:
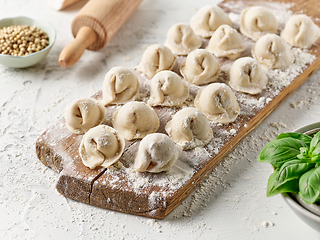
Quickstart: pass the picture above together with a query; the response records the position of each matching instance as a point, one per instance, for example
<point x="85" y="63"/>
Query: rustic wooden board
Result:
<point x="156" y="195"/>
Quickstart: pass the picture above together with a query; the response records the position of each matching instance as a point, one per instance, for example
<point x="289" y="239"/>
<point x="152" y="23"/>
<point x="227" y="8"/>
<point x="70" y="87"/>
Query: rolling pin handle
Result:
<point x="74" y="50"/>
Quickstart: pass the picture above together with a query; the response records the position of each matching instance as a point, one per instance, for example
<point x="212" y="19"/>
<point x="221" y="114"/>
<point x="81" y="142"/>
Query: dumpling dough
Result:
<point x="83" y="114"/>
<point x="257" y="21"/>
<point x="189" y="128"/>
<point x="135" y="120"/>
<point x="101" y="146"/>
<point x="273" y="52"/>
<point x="247" y="75"/>
<point x="201" y="67"/>
<point x="157" y="153"/>
<point x="120" y="85"/>
<point x="168" y="89"/>
<point x="181" y="39"/>
<point x="300" y="31"/>
<point x="218" y="102"/>
<point x="226" y="42"/>
<point x="156" y="58"/>
<point x="208" y="19"/>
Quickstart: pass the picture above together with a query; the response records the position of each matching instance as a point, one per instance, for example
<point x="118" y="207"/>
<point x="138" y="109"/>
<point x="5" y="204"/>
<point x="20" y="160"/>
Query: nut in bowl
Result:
<point x="30" y="53"/>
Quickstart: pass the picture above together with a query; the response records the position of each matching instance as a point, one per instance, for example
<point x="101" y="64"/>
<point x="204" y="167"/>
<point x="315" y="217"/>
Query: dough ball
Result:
<point x="156" y="58"/>
<point x="120" y="85"/>
<point x="181" y="39"/>
<point x="218" y="102"/>
<point x="226" y="42"/>
<point x="135" y="120"/>
<point x="247" y="75"/>
<point x="300" y="31"/>
<point x="168" y="89"/>
<point x="201" y="67"/>
<point x="257" y="21"/>
<point x="273" y="52"/>
<point x="208" y="19"/>
<point x="157" y="153"/>
<point x="189" y="128"/>
<point x="101" y="146"/>
<point x="83" y="114"/>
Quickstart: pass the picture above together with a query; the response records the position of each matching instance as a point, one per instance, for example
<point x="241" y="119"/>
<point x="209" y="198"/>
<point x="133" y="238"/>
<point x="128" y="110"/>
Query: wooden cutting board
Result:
<point x="156" y="195"/>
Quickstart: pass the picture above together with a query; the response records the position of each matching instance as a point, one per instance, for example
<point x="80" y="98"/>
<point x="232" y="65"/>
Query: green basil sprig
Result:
<point x="296" y="161"/>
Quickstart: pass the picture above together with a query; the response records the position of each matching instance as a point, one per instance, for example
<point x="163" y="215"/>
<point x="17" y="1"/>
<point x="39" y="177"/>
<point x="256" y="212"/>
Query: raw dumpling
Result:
<point x="218" y="102"/>
<point x="208" y="19"/>
<point x="83" y="114"/>
<point x="189" y="128"/>
<point x="257" y="21"/>
<point x="157" y="153"/>
<point x="101" y="146"/>
<point x="168" y="89"/>
<point x="120" y="85"/>
<point x="135" y="120"/>
<point x="226" y="42"/>
<point x="181" y="39"/>
<point x="300" y="31"/>
<point x="201" y="67"/>
<point x="156" y="58"/>
<point x="247" y="75"/>
<point x="273" y="52"/>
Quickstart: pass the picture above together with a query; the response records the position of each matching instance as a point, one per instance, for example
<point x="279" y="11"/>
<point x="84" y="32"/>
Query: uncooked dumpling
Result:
<point x="273" y="52"/>
<point x="257" y="21"/>
<point x="181" y="39"/>
<point x="189" y="128"/>
<point x="226" y="42"/>
<point x="101" y="146"/>
<point x="156" y="58"/>
<point x="247" y="75"/>
<point x="157" y="153"/>
<point x="300" y="31"/>
<point x="83" y="114"/>
<point x="208" y="19"/>
<point x="167" y="89"/>
<point x="218" y="102"/>
<point x="120" y="85"/>
<point x="201" y="67"/>
<point x="135" y="120"/>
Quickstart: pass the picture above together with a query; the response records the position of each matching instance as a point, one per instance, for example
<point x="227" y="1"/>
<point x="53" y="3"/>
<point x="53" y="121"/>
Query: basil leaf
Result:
<point x="309" y="185"/>
<point x="315" y="155"/>
<point x="304" y="138"/>
<point x="315" y="140"/>
<point x="274" y="189"/>
<point x="281" y="150"/>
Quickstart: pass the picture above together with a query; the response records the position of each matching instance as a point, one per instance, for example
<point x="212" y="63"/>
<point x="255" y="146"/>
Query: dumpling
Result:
<point x="157" y="153"/>
<point x="101" y="146"/>
<point x="201" y="67"/>
<point x="300" y="31"/>
<point x="247" y="75"/>
<point x="257" y="21"/>
<point x="135" y="120"/>
<point x="83" y="114"/>
<point x="156" y="58"/>
<point x="181" y="39"/>
<point x="189" y="128"/>
<point x="120" y="85"/>
<point x="273" y="52"/>
<point x="208" y="19"/>
<point x="167" y="89"/>
<point x="226" y="42"/>
<point x="218" y="102"/>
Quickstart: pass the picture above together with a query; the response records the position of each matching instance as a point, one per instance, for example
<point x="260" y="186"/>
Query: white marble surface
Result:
<point x="230" y="204"/>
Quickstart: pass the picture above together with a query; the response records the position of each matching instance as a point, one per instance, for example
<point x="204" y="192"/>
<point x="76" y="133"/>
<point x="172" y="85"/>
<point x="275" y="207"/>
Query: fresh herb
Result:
<point x="296" y="161"/>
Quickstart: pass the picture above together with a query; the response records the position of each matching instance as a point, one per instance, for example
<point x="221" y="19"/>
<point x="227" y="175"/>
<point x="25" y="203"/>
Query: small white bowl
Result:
<point x="33" y="58"/>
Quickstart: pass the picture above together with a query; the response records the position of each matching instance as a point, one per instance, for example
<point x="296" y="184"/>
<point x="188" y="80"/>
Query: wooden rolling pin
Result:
<point x="94" y="26"/>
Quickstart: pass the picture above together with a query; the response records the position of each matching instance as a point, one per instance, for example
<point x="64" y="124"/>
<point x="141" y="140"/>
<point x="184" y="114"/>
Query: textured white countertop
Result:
<point x="229" y="204"/>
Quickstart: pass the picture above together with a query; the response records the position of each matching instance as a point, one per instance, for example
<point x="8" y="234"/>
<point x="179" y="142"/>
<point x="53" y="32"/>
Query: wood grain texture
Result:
<point x="57" y="148"/>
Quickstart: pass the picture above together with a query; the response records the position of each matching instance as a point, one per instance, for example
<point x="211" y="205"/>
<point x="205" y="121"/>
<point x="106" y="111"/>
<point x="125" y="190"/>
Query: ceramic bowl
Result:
<point x="310" y="214"/>
<point x="33" y="58"/>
